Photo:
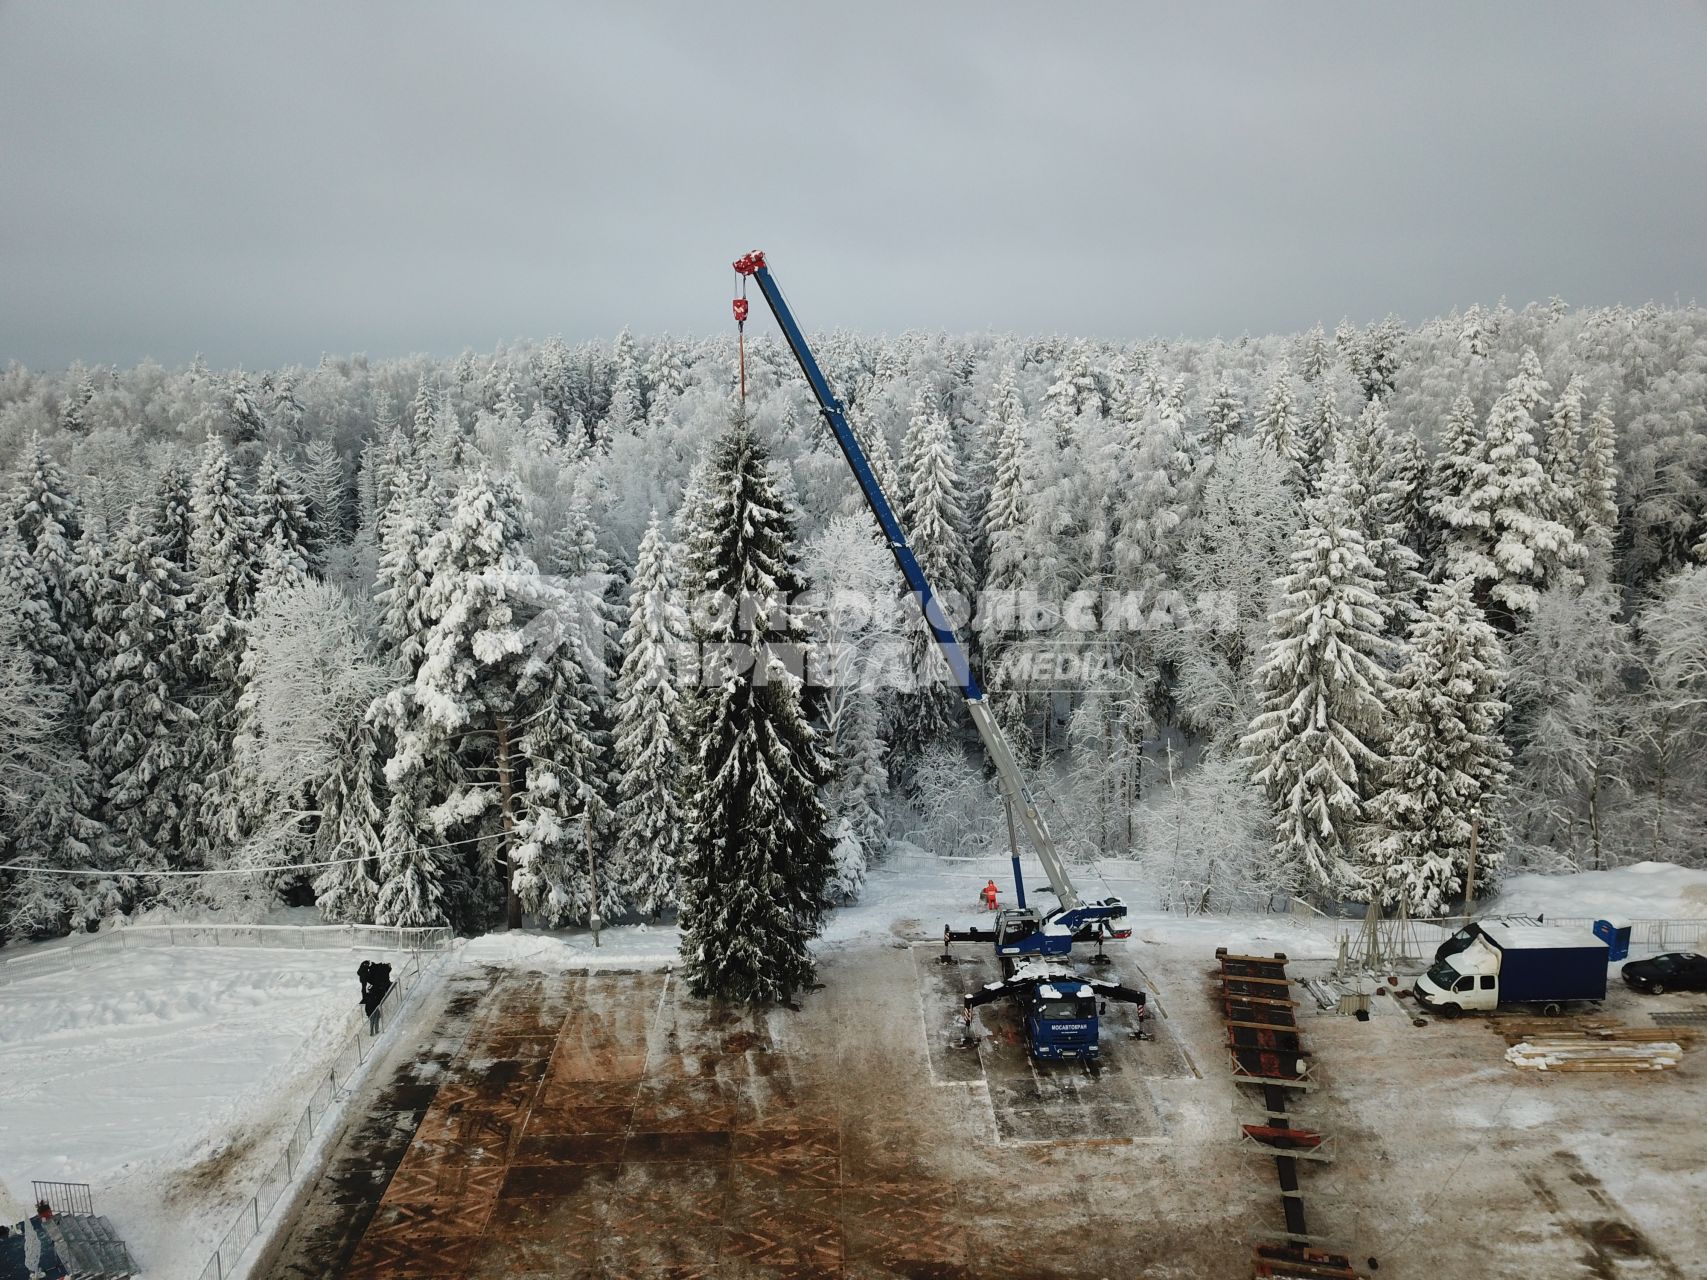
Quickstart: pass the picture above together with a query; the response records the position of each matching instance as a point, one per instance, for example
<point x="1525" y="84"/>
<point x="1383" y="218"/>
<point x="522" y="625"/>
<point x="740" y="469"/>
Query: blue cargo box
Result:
<point x="1548" y="962"/>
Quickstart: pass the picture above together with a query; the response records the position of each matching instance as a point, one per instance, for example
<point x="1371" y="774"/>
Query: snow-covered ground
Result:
<point x="169" y="1078"/>
<point x="1641" y="891"/>
<point x="166" y="1078"/>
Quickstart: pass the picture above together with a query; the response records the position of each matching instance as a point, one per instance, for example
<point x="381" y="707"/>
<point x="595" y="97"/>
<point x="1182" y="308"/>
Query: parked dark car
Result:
<point x="1674" y="971"/>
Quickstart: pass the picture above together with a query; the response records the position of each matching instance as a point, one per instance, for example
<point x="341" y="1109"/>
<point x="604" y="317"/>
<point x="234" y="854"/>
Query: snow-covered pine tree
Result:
<point x="1499" y="532"/>
<point x="754" y="879"/>
<point x="1317" y="744"/>
<point x="651" y="806"/>
<point x="283" y="534"/>
<point x="1447" y="762"/>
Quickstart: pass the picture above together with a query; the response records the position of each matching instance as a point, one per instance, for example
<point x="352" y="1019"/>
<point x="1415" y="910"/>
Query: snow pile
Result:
<point x="1641" y="891"/>
<point x="168" y="1079"/>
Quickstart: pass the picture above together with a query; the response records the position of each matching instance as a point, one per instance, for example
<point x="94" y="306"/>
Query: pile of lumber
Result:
<point x="1597" y="1045"/>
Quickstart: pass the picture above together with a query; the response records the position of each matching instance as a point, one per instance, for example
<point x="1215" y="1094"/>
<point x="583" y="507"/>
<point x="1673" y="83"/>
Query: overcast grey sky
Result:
<point x="266" y="181"/>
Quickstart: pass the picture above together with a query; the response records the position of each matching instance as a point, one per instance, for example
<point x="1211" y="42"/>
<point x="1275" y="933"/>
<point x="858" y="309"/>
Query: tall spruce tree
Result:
<point x="140" y="727"/>
<point x="1317" y="745"/>
<point x="649" y="712"/>
<point x="1448" y="760"/>
<point x="759" y="857"/>
<point x="283" y="535"/>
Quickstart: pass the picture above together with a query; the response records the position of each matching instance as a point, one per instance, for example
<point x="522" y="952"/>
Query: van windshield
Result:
<point x="1443" y="975"/>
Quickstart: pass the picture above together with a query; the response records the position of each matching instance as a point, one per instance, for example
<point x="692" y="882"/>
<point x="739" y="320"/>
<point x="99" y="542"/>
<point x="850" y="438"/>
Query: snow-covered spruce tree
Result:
<point x="1454" y="470"/>
<point x="1560" y="451"/>
<point x="936" y="526"/>
<point x="651" y="806"/>
<point x="170" y="519"/>
<point x="1596" y="488"/>
<point x="412" y="873"/>
<point x="1319" y="438"/>
<point x="565" y="826"/>
<point x="283" y="535"/>
<point x="1447" y="762"/>
<point x="1317" y="745"/>
<point x="325" y="481"/>
<point x="38" y="620"/>
<point x="405" y="532"/>
<point x="1075" y="392"/>
<point x="351" y="825"/>
<point x="1499" y="532"/>
<point x="759" y="855"/>
<point x="478" y="666"/>
<point x="139" y="728"/>
<point x="1376" y="495"/>
<point x="1224" y="415"/>
<point x="1155" y="472"/>
<point x="222" y="587"/>
<point x="1278" y="424"/>
<point x="46" y="521"/>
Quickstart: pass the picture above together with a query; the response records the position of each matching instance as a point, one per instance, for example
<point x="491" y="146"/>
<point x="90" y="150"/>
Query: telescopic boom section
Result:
<point x="941" y="629"/>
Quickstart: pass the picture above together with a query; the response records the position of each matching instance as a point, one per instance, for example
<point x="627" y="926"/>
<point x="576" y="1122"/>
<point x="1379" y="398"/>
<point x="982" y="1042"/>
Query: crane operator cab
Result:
<point x="1013" y="927"/>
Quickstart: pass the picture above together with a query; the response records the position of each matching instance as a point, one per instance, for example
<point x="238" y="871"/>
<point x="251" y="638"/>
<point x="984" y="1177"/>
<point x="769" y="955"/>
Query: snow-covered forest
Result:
<point x="428" y="641"/>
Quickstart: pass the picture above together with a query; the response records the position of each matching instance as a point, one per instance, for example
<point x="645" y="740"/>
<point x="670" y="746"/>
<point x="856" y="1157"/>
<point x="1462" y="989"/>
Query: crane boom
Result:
<point x="995" y="741"/>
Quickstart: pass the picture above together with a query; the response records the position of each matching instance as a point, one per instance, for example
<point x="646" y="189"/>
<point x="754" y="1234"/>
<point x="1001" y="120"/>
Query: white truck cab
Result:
<point x="1467" y="979"/>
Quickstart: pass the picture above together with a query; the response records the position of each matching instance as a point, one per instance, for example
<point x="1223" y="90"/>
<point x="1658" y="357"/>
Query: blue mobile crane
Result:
<point x="1022" y="933"/>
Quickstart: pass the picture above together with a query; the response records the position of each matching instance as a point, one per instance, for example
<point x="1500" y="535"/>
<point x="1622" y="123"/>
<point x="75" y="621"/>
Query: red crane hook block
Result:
<point x="740" y="311"/>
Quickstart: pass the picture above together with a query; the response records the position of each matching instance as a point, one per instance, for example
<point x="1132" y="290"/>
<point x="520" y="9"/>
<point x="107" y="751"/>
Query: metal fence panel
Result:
<point x="363" y="1032"/>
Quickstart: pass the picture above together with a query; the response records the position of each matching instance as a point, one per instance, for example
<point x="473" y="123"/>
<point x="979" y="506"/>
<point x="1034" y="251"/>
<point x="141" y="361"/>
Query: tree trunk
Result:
<point x="512" y="904"/>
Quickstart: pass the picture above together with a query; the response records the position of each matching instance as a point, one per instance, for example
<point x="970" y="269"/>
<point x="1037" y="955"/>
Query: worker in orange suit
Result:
<point x="990" y="896"/>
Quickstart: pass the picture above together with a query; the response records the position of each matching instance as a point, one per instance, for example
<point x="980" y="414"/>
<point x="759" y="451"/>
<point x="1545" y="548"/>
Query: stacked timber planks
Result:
<point x="1267" y="1052"/>
<point x="1596" y="1045"/>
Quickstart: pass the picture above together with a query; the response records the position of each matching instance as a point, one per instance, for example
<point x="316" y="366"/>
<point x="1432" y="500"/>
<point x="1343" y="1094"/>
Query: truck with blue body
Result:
<point x="1546" y="967"/>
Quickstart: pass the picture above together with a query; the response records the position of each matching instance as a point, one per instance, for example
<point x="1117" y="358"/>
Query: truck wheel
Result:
<point x="1449" y="1011"/>
<point x="1551" y="1009"/>
<point x="1657" y="988"/>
